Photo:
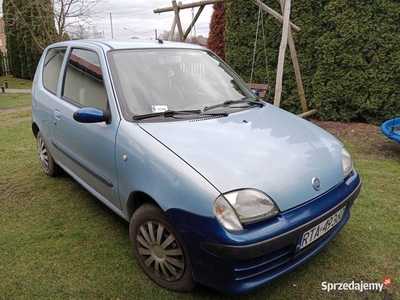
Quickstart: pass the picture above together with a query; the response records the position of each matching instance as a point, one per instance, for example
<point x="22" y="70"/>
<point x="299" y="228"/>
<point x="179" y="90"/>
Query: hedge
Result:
<point x="348" y="53"/>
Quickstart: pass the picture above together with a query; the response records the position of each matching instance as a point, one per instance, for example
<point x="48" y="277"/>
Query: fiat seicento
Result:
<point x="219" y="187"/>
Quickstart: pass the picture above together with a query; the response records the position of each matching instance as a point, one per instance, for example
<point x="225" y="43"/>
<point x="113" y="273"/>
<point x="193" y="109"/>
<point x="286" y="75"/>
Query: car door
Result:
<point x="88" y="149"/>
<point x="44" y="95"/>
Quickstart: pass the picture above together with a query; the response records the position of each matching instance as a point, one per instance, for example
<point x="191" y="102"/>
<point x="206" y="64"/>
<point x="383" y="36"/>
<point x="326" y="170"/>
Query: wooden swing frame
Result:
<point x="287" y="38"/>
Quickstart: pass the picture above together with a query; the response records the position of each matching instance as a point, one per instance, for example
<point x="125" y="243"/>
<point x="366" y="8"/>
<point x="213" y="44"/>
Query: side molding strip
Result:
<point x="92" y="171"/>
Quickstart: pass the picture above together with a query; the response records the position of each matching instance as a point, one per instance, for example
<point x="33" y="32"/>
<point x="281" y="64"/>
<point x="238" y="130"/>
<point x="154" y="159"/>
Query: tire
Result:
<point x="159" y="249"/>
<point x="47" y="163"/>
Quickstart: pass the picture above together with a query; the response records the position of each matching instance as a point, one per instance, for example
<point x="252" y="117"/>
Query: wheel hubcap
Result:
<point x="160" y="251"/>
<point x="44" y="158"/>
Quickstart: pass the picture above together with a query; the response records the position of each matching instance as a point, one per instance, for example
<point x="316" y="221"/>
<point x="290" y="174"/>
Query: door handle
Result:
<point x="57" y="114"/>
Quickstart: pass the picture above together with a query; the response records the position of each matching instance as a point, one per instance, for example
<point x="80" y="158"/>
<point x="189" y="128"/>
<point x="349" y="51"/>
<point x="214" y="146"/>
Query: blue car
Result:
<point x="219" y="187"/>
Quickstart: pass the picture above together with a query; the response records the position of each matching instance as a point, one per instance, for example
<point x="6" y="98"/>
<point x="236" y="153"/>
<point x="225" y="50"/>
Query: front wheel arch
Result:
<point x="137" y="199"/>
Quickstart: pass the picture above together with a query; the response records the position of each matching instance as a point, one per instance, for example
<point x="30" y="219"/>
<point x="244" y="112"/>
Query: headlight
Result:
<point x="237" y="207"/>
<point x="347" y="162"/>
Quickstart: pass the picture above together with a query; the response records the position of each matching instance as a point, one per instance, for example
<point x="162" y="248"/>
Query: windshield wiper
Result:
<point x="173" y="113"/>
<point x="230" y="102"/>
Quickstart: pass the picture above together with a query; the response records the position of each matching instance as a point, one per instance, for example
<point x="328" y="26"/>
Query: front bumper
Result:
<point x="241" y="262"/>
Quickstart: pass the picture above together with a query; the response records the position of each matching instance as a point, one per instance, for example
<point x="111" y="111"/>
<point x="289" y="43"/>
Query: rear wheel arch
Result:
<point x="49" y="166"/>
<point x="35" y="129"/>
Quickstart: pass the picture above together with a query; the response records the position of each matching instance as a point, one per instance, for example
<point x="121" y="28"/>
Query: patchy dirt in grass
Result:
<point x="368" y="138"/>
<point x="7" y="116"/>
<point x="14" y="109"/>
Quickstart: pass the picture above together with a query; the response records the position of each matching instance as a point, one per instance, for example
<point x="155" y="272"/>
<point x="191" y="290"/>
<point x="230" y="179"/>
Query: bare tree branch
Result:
<point x="20" y="20"/>
<point x="64" y="15"/>
<point x="71" y="13"/>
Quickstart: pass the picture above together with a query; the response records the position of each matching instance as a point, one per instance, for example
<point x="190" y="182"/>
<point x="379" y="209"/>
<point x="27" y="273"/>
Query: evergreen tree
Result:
<point x="12" y="31"/>
<point x="358" y="66"/>
<point x="348" y="54"/>
<point x="216" y="38"/>
<point x="240" y="44"/>
<point x="241" y="24"/>
<point x="27" y="33"/>
<point x="25" y="40"/>
<point x="307" y="15"/>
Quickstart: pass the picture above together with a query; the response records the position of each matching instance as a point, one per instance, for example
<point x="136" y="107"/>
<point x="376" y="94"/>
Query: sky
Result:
<point x="135" y="18"/>
<point x="139" y="20"/>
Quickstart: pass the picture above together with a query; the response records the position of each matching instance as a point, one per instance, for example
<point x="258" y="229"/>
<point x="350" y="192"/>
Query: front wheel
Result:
<point x="159" y="250"/>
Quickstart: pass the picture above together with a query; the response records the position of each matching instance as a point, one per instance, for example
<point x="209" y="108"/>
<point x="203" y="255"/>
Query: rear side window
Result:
<point x="51" y="69"/>
<point x="84" y="80"/>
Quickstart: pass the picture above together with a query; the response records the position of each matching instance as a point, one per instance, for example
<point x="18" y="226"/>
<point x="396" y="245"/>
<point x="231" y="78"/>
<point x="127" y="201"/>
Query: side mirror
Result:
<point x="92" y="115"/>
<point x="256" y="92"/>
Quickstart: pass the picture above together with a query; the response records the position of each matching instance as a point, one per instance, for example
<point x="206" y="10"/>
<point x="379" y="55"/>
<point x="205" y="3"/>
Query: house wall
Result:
<point x="2" y="36"/>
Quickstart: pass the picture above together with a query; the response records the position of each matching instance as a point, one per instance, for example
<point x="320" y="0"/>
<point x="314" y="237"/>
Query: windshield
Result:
<point x="157" y="80"/>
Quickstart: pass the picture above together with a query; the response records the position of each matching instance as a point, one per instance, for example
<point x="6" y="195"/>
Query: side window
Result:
<point x="51" y="69"/>
<point x="84" y="80"/>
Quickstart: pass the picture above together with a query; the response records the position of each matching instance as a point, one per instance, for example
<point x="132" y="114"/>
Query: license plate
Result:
<point x="310" y="236"/>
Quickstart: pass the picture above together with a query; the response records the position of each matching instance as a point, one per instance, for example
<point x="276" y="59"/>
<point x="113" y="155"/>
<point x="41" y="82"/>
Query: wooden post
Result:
<point x="266" y="8"/>
<point x="274" y="13"/>
<point x="176" y="9"/>
<point x="189" y="5"/>
<point x="193" y="22"/>
<point x="178" y="19"/>
<point x="281" y="57"/>
<point x="297" y="73"/>
<point x="287" y="38"/>
<point x="296" y="66"/>
<point x="172" y="31"/>
<point x="308" y="113"/>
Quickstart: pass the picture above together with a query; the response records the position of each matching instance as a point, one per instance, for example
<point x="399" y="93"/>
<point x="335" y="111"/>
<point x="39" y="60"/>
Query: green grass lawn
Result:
<point x="59" y="242"/>
<point x="15" y="83"/>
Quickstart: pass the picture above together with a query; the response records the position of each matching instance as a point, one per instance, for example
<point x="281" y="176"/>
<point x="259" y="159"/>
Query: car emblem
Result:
<point x="316" y="183"/>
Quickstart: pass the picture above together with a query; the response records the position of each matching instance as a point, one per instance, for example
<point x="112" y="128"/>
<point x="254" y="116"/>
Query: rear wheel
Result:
<point x="45" y="157"/>
<point x="159" y="250"/>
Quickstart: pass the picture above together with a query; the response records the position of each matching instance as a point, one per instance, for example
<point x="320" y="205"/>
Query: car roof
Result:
<point x="127" y="44"/>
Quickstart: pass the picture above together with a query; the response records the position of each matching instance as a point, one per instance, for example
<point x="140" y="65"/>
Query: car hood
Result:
<point x="263" y="148"/>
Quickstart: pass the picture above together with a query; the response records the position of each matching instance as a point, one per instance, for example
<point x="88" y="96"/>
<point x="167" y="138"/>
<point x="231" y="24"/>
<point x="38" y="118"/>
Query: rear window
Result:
<point x="51" y="69"/>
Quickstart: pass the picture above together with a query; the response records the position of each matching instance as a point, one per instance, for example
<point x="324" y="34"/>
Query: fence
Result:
<point x="5" y="63"/>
